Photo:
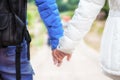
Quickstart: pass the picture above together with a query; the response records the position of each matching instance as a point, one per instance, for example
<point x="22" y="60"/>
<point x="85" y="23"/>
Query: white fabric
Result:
<point x="80" y="24"/>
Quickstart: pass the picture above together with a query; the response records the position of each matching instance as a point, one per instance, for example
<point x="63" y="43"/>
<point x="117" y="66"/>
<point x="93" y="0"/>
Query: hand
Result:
<point x="58" y="57"/>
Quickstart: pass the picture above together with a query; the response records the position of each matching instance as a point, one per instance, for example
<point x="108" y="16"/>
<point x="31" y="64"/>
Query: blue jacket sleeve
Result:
<point x="50" y="15"/>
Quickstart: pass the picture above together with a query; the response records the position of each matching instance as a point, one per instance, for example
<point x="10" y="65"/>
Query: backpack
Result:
<point x="13" y="28"/>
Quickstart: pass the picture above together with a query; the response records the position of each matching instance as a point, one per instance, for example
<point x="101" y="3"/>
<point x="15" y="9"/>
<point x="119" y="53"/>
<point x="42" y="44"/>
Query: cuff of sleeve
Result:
<point x="66" y="45"/>
<point x="54" y="44"/>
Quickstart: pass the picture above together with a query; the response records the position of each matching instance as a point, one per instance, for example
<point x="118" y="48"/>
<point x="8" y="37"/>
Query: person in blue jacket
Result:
<point x="50" y="15"/>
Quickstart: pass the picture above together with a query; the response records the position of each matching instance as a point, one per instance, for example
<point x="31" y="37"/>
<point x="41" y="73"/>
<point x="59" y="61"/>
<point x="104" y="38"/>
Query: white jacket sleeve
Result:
<point x="80" y="24"/>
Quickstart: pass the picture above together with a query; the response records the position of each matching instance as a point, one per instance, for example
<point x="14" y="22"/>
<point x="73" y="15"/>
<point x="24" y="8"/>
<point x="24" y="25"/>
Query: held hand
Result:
<point x="58" y="57"/>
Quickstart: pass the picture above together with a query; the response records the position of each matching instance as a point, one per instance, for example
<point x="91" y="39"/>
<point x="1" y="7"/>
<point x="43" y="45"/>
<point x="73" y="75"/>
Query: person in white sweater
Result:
<point x="80" y="24"/>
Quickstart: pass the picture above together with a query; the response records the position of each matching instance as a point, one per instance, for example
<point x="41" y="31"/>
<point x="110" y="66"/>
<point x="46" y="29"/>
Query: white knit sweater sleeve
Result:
<point x="80" y="24"/>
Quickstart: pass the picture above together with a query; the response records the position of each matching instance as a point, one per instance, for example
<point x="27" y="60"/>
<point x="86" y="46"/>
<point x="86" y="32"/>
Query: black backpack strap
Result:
<point x="18" y="49"/>
<point x="28" y="39"/>
<point x="1" y="77"/>
<point x="18" y="62"/>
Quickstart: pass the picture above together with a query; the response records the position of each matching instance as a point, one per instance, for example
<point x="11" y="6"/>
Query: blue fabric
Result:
<point x="6" y="76"/>
<point x="50" y="15"/>
<point x="7" y="62"/>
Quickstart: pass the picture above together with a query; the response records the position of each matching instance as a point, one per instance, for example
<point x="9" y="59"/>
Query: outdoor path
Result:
<point x="84" y="65"/>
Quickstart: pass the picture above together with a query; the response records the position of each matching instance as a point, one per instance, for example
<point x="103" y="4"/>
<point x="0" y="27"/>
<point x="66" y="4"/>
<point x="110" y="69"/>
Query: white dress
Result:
<point x="80" y="24"/>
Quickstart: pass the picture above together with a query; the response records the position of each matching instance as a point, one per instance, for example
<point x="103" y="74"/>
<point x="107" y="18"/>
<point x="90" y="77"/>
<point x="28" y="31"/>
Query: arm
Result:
<point x="50" y="16"/>
<point x="80" y="24"/>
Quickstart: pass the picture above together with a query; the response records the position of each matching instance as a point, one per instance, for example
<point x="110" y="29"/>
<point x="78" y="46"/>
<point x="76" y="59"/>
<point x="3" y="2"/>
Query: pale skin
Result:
<point x="58" y="57"/>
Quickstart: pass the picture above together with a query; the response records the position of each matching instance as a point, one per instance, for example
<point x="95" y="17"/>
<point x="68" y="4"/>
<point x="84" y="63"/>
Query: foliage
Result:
<point x="67" y="13"/>
<point x="30" y="1"/>
<point x="71" y="5"/>
<point x="106" y="8"/>
<point x="32" y="14"/>
<point x="35" y="25"/>
<point x="67" y="5"/>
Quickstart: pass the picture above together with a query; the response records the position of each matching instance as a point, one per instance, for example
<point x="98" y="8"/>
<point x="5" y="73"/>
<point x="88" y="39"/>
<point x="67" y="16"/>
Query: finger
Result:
<point x="59" y="55"/>
<point x="68" y="57"/>
<point x="59" y="64"/>
<point x="62" y="54"/>
<point x="54" y="58"/>
<point x="55" y="61"/>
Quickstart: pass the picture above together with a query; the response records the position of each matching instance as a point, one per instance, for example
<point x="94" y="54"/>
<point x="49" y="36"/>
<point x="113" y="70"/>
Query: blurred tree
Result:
<point x="30" y="0"/>
<point x="73" y="2"/>
<point x="65" y="5"/>
<point x="70" y="5"/>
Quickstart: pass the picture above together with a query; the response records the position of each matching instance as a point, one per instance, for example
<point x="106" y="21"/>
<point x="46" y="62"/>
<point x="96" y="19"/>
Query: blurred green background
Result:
<point x="39" y="32"/>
